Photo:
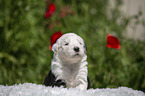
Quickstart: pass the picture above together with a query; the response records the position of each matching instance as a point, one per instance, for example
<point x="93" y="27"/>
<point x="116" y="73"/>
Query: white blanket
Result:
<point x="29" y="89"/>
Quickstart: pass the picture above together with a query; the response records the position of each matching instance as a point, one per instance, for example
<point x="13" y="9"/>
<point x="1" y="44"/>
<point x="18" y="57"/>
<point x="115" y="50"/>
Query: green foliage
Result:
<point x="25" y="33"/>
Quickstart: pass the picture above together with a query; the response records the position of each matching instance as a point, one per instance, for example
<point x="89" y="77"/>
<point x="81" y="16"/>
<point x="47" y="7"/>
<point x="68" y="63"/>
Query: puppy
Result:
<point x="69" y="64"/>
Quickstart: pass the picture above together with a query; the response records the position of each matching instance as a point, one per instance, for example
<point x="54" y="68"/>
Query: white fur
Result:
<point x="68" y="66"/>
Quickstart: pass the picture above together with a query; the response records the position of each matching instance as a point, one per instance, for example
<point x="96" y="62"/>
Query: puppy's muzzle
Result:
<point x="76" y="49"/>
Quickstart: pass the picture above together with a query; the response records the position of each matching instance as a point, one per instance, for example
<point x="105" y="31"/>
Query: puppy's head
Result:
<point x="70" y="48"/>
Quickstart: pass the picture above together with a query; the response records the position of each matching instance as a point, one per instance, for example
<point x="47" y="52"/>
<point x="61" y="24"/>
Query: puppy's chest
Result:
<point x="71" y="77"/>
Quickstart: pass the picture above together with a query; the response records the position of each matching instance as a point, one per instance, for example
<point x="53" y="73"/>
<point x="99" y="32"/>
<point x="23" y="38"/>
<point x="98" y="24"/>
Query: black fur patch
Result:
<point x="50" y="80"/>
<point x="85" y="47"/>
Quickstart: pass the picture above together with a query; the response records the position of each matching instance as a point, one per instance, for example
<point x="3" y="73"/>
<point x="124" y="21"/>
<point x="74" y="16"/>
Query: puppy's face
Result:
<point x="70" y="48"/>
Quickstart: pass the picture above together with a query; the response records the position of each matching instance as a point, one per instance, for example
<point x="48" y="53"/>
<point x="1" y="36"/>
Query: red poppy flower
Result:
<point x="112" y="42"/>
<point x="54" y="38"/>
<point x="50" y="11"/>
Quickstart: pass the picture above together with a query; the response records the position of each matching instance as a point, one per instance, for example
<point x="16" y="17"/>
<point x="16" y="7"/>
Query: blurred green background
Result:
<point x="25" y="34"/>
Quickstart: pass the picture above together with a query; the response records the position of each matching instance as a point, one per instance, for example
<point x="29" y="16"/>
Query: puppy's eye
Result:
<point x="66" y="44"/>
<point x="80" y="43"/>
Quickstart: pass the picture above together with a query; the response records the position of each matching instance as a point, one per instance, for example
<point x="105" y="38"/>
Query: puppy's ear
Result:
<point x="85" y="47"/>
<point x="55" y="47"/>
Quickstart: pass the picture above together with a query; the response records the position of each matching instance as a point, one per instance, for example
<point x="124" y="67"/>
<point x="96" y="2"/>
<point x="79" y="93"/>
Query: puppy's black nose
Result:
<point x="77" y="49"/>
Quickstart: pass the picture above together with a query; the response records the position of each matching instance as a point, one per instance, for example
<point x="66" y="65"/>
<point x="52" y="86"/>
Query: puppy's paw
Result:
<point x="60" y="83"/>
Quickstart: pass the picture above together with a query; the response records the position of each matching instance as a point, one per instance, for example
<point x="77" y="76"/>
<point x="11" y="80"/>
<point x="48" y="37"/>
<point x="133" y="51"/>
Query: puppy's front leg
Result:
<point x="82" y="86"/>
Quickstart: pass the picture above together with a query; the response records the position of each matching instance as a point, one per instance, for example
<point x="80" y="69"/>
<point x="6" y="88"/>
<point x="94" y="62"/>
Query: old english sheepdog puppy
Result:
<point x="69" y="64"/>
